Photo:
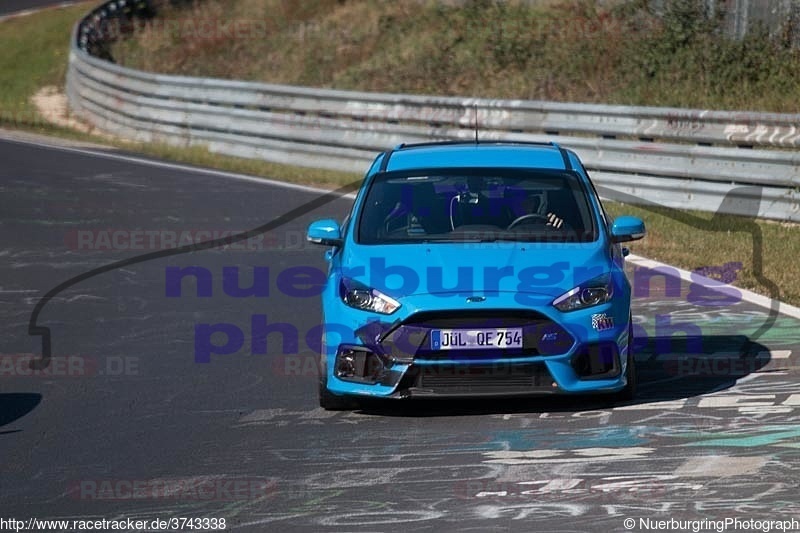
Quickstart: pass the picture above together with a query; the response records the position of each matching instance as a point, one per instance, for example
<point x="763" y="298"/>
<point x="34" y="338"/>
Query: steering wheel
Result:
<point x="525" y="219"/>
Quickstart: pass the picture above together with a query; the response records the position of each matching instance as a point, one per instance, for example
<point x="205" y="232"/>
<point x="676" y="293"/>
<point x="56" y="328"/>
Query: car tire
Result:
<point x="328" y="400"/>
<point x="628" y="394"/>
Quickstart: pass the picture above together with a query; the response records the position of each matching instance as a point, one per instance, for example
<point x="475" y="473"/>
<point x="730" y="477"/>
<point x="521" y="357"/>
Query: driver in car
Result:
<point x="534" y="205"/>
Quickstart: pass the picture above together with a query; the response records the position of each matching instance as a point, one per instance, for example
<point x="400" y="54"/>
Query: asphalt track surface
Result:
<point x="124" y="404"/>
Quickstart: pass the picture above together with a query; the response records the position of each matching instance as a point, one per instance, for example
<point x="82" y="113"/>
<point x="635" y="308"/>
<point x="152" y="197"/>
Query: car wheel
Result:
<point x="328" y="400"/>
<point x="629" y="392"/>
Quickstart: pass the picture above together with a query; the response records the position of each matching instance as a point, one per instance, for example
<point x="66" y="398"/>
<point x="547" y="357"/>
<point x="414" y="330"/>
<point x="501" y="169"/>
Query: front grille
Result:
<point x="476" y="379"/>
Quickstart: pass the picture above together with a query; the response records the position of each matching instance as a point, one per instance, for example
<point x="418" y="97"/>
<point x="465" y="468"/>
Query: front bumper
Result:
<point x="394" y="360"/>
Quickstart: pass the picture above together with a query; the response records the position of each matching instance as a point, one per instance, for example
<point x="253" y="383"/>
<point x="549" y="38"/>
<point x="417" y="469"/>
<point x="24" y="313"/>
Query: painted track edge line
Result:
<point x="142" y="160"/>
<point x="747" y="295"/>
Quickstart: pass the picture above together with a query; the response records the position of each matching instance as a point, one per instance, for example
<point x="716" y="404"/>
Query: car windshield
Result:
<point x="476" y="206"/>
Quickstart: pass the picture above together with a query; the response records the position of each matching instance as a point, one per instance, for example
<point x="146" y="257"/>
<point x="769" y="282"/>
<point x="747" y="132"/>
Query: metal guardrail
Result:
<point x="677" y="157"/>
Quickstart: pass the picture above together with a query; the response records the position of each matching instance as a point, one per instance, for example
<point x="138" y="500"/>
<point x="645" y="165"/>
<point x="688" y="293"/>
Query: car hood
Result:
<point x="406" y="271"/>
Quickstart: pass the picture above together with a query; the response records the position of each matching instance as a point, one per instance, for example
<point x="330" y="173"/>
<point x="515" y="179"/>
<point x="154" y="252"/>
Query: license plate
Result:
<point x="474" y="339"/>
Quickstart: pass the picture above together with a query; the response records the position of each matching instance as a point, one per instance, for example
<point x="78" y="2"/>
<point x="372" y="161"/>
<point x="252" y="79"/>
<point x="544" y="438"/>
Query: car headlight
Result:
<point x="359" y="296"/>
<point x="594" y="292"/>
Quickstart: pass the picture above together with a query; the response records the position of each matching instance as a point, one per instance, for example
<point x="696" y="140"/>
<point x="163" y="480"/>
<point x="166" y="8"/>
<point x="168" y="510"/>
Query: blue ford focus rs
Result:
<point x="475" y="269"/>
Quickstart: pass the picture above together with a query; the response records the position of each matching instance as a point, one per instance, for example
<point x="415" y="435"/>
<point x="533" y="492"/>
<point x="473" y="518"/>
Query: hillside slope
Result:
<point x="567" y="51"/>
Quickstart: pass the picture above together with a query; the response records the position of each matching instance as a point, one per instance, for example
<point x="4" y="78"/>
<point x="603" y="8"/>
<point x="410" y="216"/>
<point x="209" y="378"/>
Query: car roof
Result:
<point x="455" y="154"/>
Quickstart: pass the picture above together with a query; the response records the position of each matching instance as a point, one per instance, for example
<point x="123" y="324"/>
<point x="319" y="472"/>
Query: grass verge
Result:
<point x="36" y="54"/>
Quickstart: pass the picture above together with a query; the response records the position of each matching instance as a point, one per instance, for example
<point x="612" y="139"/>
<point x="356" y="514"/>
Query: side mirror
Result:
<point x="627" y="228"/>
<point x="325" y="232"/>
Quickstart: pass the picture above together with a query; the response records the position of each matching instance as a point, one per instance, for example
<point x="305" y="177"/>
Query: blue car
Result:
<point x="475" y="270"/>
